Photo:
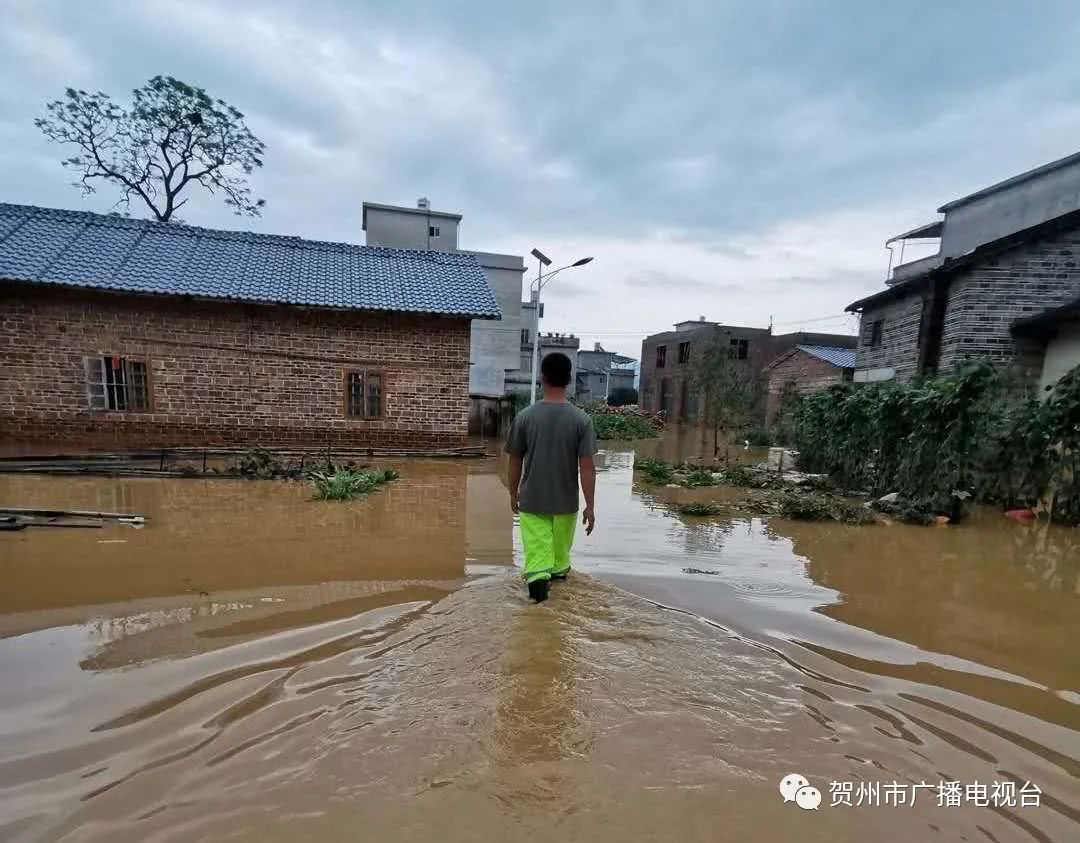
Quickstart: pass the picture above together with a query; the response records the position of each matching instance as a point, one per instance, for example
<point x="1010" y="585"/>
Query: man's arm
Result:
<point x="516" y="444"/>
<point x="514" y="480"/>
<point x="588" y="487"/>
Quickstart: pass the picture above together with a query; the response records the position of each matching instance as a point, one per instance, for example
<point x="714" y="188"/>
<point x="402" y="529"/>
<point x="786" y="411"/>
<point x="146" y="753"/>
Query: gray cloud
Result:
<point x="770" y="146"/>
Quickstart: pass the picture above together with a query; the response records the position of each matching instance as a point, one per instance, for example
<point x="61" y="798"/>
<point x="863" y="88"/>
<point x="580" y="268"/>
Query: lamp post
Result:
<point x="535" y="288"/>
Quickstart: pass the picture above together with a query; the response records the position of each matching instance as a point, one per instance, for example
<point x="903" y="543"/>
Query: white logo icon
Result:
<point x="795" y="788"/>
<point x="790" y="784"/>
<point x="808" y="798"/>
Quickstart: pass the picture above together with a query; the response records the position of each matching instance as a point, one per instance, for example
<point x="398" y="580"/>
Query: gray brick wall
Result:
<point x="899" y="346"/>
<point x="985" y="300"/>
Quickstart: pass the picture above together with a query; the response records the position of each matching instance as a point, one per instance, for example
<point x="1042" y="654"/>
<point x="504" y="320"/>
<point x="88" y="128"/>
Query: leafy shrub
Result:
<point x="812" y="506"/>
<point x="699" y="477"/>
<point x="344" y="484"/>
<point x="971" y="433"/>
<point x="258" y="462"/>
<point x="740" y="475"/>
<point x="656" y="472"/>
<point x="624" y="422"/>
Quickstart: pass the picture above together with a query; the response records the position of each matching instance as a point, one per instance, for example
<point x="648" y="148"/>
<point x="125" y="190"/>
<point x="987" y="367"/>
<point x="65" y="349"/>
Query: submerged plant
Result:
<point x="740" y="475"/>
<point x="698" y="508"/>
<point x="656" y="472"/>
<point x="344" y="484"/>
<point x="699" y="477"/>
<point x="811" y="506"/>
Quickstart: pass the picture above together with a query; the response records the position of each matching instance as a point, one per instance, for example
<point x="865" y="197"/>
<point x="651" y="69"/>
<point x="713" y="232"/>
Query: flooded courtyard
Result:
<point x="255" y="665"/>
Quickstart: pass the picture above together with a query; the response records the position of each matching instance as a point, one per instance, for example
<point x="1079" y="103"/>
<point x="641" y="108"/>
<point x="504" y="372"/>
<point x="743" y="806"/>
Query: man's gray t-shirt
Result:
<point x="551" y="436"/>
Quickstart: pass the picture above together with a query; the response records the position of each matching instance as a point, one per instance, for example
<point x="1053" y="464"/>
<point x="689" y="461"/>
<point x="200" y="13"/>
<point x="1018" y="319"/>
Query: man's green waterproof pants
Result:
<point x="547" y="540"/>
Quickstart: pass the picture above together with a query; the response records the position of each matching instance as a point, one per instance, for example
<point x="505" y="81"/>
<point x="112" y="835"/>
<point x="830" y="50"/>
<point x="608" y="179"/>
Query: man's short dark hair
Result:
<point x="556" y="369"/>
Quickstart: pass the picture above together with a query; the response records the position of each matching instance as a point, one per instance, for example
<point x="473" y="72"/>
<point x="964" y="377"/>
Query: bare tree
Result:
<point x="173" y="136"/>
<point x="729" y="388"/>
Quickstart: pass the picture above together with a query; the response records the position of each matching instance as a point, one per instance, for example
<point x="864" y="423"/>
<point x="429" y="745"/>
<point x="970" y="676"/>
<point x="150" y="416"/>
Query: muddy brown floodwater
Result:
<point x="254" y="665"/>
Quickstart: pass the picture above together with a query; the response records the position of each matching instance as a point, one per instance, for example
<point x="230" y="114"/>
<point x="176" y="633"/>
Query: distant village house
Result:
<point x="600" y="373"/>
<point x="802" y="370"/>
<point x="667" y="382"/>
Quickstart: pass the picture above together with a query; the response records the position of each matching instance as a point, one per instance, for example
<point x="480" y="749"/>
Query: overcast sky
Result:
<point x="737" y="160"/>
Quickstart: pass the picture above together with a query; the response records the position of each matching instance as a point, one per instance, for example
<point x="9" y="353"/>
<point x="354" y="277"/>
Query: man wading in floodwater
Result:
<point x="551" y="440"/>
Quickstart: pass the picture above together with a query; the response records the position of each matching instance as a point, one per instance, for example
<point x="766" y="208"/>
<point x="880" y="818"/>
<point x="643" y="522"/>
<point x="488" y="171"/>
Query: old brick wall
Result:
<point x="985" y="300"/>
<point x="227" y="373"/>
<point x="806" y="372"/>
<point x="899" y="347"/>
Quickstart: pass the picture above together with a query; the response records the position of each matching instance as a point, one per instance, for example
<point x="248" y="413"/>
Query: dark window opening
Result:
<point x="116" y="383"/>
<point x="364" y="395"/>
<point x="684" y="352"/>
<point x="876" y="328"/>
<point x="740" y="349"/>
<point x="433" y="231"/>
<point x="661" y="356"/>
<point x="524" y="336"/>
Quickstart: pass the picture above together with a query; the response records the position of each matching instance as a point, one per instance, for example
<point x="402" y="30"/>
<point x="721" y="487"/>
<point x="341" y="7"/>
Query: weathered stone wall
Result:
<point x="899" y="348"/>
<point x="985" y="300"/>
<point x="227" y="373"/>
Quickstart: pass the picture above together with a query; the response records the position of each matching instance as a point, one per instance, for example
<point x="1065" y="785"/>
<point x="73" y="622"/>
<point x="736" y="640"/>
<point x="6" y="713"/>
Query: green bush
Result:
<point x="623" y="426"/>
<point x="801" y="505"/>
<point x="740" y="475"/>
<point x="974" y="433"/>
<point x="344" y="484"/>
<point x="699" y="477"/>
<point x="656" y="472"/>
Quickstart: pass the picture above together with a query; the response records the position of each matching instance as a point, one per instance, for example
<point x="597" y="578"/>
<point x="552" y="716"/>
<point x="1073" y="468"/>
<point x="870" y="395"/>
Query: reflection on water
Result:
<point x="254" y="665"/>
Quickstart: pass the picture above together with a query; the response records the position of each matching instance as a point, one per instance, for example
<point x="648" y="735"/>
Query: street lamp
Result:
<point x="535" y="288"/>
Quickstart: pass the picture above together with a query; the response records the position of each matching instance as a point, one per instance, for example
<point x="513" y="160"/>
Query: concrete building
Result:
<point x="132" y="333"/>
<point x="493" y="344"/>
<point x="1004" y="256"/>
<point x="519" y="380"/>
<point x="804" y="369"/>
<point x="667" y="359"/>
<point x="599" y="372"/>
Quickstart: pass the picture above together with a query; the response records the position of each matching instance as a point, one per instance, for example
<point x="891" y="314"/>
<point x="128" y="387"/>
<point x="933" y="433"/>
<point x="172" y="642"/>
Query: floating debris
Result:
<point x="18" y="518"/>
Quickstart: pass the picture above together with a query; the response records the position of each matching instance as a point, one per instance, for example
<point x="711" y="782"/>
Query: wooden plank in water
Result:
<point x="21" y="512"/>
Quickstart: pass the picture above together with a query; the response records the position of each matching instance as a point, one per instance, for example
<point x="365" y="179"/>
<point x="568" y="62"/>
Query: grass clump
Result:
<point x="699" y="477"/>
<point x="656" y="472"/>
<point x="741" y="475"/>
<point x="343" y="484"/>
<point x="813" y="506"/>
<point x="699" y="508"/>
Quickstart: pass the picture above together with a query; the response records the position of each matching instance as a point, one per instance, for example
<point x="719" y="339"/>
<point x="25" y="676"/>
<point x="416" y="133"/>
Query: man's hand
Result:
<point x="588" y="518"/>
<point x="513" y="481"/>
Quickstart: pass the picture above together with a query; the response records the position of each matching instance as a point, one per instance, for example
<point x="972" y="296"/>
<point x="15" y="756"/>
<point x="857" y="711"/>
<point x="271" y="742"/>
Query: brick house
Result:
<point x="667" y="359"/>
<point x="1002" y="256"/>
<point x="136" y="333"/>
<point x="805" y="369"/>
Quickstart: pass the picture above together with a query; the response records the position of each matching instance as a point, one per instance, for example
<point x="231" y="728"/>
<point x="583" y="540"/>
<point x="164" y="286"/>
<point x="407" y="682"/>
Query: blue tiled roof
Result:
<point x="843" y="358"/>
<point x="82" y="249"/>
